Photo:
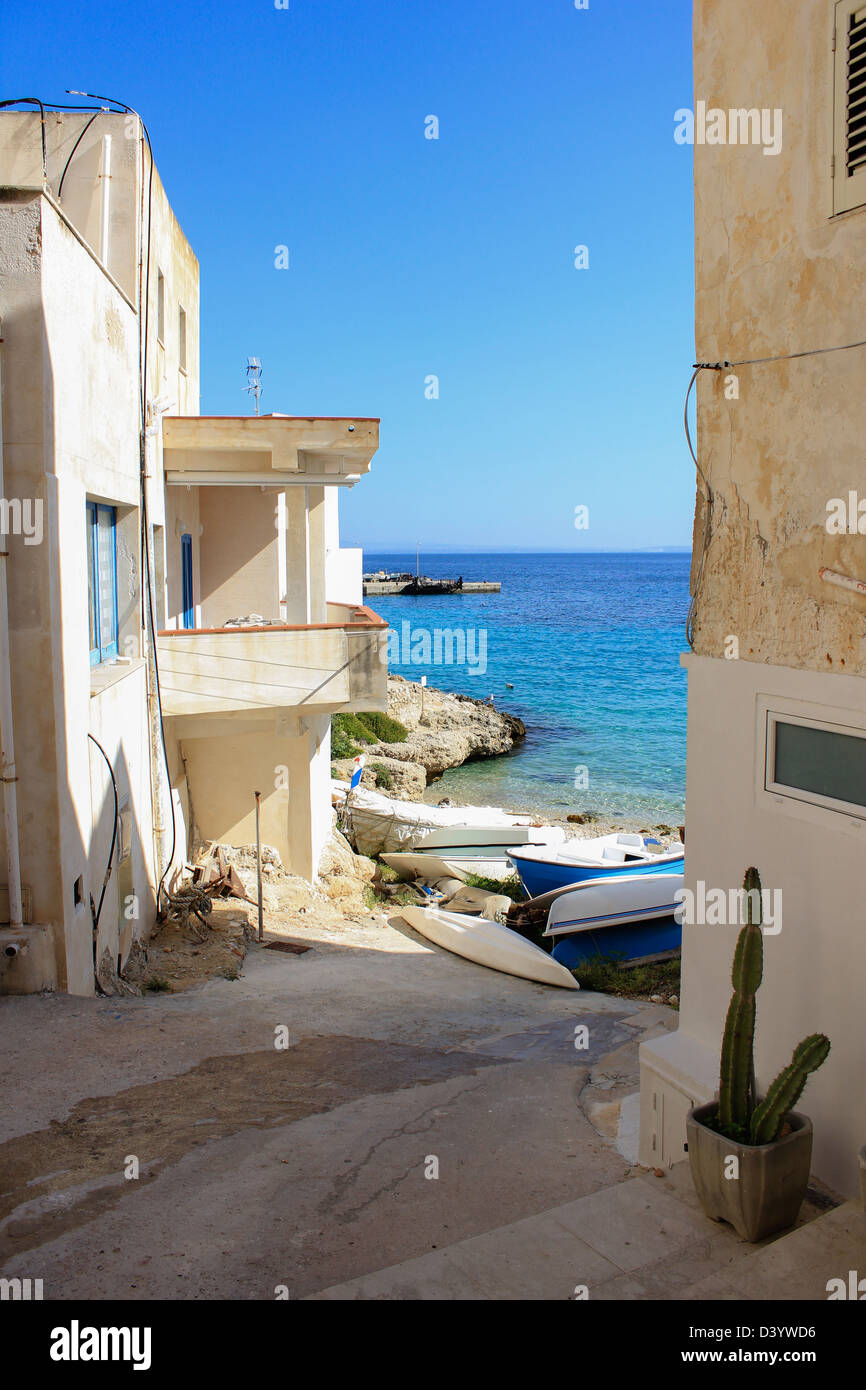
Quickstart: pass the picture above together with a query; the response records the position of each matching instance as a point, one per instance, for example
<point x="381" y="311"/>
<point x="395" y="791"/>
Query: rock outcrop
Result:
<point x="445" y="731"/>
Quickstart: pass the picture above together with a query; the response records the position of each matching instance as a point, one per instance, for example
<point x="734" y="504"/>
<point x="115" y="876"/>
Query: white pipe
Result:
<point x="842" y="581"/>
<point x="106" y="200"/>
<point x="7" y="740"/>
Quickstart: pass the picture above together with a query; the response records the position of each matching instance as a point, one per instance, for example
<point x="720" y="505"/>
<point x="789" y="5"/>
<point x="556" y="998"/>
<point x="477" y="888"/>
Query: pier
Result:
<point x="420" y="584"/>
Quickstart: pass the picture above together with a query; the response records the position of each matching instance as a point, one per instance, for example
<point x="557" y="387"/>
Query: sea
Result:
<point x="584" y="648"/>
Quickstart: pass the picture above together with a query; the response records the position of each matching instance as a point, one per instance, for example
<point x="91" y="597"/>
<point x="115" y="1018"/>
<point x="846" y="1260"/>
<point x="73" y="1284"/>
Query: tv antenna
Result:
<point x="254" y="374"/>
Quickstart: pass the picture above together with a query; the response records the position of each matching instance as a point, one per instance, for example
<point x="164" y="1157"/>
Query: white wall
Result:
<point x="344" y="581"/>
<point x="815" y="968"/>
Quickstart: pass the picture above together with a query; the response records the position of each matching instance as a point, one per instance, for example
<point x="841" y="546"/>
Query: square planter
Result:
<point x="772" y="1182"/>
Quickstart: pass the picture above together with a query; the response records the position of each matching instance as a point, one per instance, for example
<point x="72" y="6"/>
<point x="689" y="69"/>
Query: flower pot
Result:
<point x="772" y="1179"/>
<point x="862" y="1157"/>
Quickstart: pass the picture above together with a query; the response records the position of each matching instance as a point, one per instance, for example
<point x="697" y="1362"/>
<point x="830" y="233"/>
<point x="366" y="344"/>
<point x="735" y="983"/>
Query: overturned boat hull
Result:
<point x="488" y="943"/>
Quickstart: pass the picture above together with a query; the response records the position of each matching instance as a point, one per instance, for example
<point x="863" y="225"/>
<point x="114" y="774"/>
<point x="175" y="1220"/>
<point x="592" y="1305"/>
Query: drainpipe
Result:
<point x="106" y="200"/>
<point x="7" y="741"/>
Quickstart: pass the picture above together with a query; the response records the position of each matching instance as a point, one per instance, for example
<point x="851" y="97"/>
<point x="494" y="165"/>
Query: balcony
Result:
<point x="267" y="450"/>
<point x="254" y="672"/>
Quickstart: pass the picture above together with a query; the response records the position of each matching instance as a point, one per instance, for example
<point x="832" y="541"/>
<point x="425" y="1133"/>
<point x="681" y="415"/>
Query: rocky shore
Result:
<point x="444" y="731"/>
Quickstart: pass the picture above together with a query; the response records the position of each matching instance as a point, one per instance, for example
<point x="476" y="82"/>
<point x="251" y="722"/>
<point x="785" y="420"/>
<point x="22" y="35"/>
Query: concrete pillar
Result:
<point x="296" y="566"/>
<point x="317" y="550"/>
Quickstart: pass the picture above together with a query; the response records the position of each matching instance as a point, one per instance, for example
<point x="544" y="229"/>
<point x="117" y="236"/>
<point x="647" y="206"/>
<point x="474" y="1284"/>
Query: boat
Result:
<point x="612" y="901"/>
<point x="489" y="841"/>
<point x="626" y="915"/>
<point x="542" y="870"/>
<point x="630" y="943"/>
<point x="428" y="868"/>
<point x="488" y="943"/>
<point x="377" y="824"/>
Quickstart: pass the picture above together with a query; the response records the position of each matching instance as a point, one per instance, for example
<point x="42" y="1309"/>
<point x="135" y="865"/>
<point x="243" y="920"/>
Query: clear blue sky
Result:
<point x="409" y="257"/>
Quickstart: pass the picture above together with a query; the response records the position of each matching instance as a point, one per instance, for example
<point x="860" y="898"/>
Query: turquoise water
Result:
<point x="591" y="644"/>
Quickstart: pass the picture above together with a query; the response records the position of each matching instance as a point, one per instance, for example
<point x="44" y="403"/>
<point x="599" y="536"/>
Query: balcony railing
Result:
<point x="340" y="664"/>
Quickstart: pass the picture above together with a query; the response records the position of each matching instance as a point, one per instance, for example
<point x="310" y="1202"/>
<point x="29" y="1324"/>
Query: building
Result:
<point x="112" y="477"/>
<point x="777" y="697"/>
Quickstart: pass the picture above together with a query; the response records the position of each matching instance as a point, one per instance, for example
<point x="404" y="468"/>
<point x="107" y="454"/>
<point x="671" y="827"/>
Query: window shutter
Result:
<point x="849" y="144"/>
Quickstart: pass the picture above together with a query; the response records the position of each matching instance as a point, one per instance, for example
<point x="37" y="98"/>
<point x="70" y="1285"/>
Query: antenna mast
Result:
<point x="254" y="373"/>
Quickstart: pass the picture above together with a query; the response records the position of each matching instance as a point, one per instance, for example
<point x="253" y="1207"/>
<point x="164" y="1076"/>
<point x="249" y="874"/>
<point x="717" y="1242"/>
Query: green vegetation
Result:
<point x="383" y="727"/>
<point x="383" y="776"/>
<point x="374" y="900"/>
<point x="350" y="730"/>
<point x="155" y="985"/>
<point x="508" y="887"/>
<point x="606" y="975"/>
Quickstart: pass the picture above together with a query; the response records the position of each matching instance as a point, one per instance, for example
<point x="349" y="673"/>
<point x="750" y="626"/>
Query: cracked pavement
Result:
<point x="422" y="1100"/>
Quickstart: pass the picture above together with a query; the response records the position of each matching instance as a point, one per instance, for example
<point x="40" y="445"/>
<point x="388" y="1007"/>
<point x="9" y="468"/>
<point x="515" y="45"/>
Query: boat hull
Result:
<point x="630" y="941"/>
<point x="617" y="900"/>
<point x="489" y="944"/>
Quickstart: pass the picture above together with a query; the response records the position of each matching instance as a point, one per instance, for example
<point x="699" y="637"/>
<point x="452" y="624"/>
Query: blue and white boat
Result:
<point x="628" y="915"/>
<point x="543" y="869"/>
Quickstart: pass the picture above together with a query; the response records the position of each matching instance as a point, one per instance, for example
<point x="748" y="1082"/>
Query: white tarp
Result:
<point x="380" y="825"/>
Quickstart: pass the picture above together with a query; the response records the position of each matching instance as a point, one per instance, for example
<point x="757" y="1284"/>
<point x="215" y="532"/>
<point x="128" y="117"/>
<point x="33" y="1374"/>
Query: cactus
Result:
<point x="769" y="1117"/>
<point x="739" y="1115"/>
<point x="737" y="1081"/>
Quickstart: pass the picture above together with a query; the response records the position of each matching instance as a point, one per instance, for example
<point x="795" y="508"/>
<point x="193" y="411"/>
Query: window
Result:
<point x="160" y="306"/>
<point x="816" y="762"/>
<point x="102" y="581"/>
<point x="186" y="577"/>
<point x="181" y="339"/>
<point x="849" y="115"/>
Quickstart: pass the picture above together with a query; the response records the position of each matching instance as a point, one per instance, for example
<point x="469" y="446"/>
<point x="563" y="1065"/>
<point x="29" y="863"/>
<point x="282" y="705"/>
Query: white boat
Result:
<point x="488" y="943"/>
<point x="612" y="901"/>
<point x="429" y="868"/>
<point x="377" y="823"/>
<point x="542" y="869"/>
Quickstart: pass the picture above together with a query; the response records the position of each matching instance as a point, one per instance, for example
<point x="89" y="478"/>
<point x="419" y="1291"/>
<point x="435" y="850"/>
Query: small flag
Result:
<point x="358" y="772"/>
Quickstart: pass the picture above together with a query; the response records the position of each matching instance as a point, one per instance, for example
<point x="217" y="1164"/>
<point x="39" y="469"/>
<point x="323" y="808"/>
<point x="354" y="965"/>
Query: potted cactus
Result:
<point x="751" y="1159"/>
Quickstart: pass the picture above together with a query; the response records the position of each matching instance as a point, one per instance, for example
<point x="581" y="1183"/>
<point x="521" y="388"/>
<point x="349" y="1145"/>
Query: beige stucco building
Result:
<point x="102" y="441"/>
<point x="777" y="696"/>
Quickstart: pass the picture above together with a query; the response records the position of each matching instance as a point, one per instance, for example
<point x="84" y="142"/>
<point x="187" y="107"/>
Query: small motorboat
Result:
<point x="487" y="943"/>
<point x="542" y="870"/>
<point x="623" y="915"/>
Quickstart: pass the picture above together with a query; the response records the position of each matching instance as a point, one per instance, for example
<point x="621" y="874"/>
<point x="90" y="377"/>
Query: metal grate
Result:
<point x="855" y="114"/>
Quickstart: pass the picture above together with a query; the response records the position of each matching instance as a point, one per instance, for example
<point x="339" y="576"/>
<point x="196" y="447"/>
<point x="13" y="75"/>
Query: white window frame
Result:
<point x="848" y="192"/>
<point x="797" y="801"/>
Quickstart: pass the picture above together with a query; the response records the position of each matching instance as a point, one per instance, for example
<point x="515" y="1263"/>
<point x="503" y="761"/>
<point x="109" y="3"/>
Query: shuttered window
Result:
<point x="102" y="581"/>
<point x="849" y="145"/>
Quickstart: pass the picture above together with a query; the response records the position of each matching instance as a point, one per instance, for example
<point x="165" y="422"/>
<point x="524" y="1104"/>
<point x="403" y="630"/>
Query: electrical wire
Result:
<point x="33" y="101"/>
<point x="790" y="356"/>
<point x="722" y="367"/>
<point x="81" y="136"/>
<point x="144" y="303"/>
<point x="96" y="913"/>
<point x="708" y="514"/>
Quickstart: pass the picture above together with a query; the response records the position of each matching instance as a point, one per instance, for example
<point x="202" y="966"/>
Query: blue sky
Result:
<point x="411" y="257"/>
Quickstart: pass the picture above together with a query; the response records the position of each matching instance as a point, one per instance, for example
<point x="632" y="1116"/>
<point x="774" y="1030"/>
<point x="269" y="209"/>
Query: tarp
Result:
<point x="380" y="825"/>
